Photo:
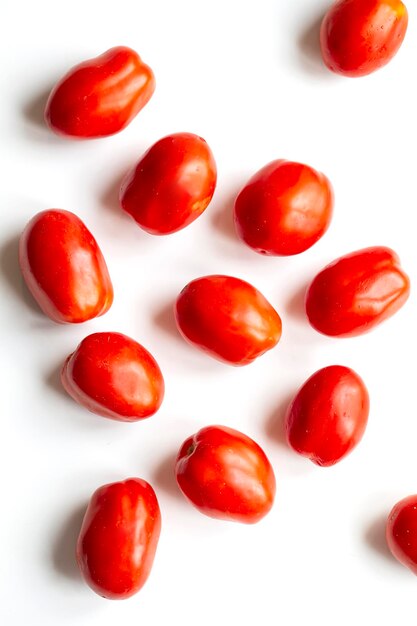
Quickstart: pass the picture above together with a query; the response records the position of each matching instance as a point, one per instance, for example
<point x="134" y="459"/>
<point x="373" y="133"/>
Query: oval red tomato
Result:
<point x="227" y="318"/>
<point x="64" y="268"/>
<point x="284" y="208"/>
<point x="357" y="292"/>
<point x="114" y="376"/>
<point x="328" y="416"/>
<point x="226" y="475"/>
<point x="101" y="96"/>
<point x="401" y="532"/>
<point x="171" y="185"/>
<point x="118" y="538"/>
<point x="360" y="36"/>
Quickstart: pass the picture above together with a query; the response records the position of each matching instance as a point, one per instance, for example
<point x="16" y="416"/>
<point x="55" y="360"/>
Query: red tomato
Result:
<point x="114" y="376"/>
<point x="357" y="292"/>
<point x="171" y="185"/>
<point x="284" y="208"/>
<point x="360" y="36"/>
<point x="226" y="475"/>
<point x="118" y="538"/>
<point x="328" y="416"/>
<point x="227" y="318"/>
<point x="64" y="268"/>
<point x="401" y="532"/>
<point x="101" y="96"/>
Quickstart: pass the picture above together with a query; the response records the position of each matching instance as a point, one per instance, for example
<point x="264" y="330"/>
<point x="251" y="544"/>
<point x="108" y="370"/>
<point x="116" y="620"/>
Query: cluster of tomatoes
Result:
<point x="283" y="209"/>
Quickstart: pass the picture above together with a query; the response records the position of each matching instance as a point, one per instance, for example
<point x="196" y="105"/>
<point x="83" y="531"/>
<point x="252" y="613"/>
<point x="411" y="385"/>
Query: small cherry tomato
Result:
<point x="227" y="318"/>
<point x="284" y="208"/>
<point x="114" y="376"/>
<point x="226" y="475"/>
<point x="118" y="538"/>
<point x="360" y="36"/>
<point x="171" y="185"/>
<point x="328" y="415"/>
<point x="401" y="532"/>
<point x="101" y="96"/>
<point x="64" y="268"/>
<point x="357" y="292"/>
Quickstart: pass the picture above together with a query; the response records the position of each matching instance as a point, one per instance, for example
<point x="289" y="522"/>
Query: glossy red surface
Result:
<point x="64" y="268"/>
<point x="226" y="475"/>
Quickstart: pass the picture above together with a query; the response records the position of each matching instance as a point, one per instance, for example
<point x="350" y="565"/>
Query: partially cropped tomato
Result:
<point x="360" y="36"/>
<point x="328" y="416"/>
<point x="284" y="208"/>
<point x="114" y="376"/>
<point x="64" y="268"/>
<point x="101" y="96"/>
<point x="171" y="185"/>
<point x="226" y="475"/>
<point x="357" y="292"/>
<point x="401" y="532"/>
<point x="118" y="538"/>
<point x="227" y="318"/>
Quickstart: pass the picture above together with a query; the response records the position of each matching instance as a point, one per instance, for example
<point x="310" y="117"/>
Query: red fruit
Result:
<point x="101" y="96"/>
<point x="227" y="318"/>
<point x="64" y="268"/>
<point x="118" y="538"/>
<point x="114" y="376"/>
<point x="328" y="415"/>
<point x="171" y="185"/>
<point x="226" y="475"/>
<point x="360" y="36"/>
<point x="357" y="292"/>
<point x="284" y="209"/>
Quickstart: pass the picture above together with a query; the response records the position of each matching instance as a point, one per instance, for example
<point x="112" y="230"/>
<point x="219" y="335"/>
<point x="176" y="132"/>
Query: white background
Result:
<point x="247" y="77"/>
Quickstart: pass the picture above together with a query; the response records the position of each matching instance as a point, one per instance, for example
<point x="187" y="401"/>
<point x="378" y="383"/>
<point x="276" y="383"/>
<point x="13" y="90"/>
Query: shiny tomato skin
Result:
<point x="171" y="185"/>
<point x="401" y="532"/>
<point x="284" y="208"/>
<point x="100" y="96"/>
<point x="227" y="318"/>
<point x="226" y="475"/>
<point x="118" y="538"/>
<point x="360" y="36"/>
<point x="328" y="416"/>
<point x="112" y="375"/>
<point x="64" y="268"/>
<point x="357" y="292"/>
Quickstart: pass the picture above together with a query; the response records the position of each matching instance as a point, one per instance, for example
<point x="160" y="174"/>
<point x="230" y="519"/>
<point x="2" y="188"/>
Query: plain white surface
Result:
<point x="245" y="76"/>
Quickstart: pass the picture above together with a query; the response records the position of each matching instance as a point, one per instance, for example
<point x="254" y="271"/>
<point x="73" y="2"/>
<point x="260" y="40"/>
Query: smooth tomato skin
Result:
<point x="64" y="268"/>
<point x="360" y="36"/>
<point x="100" y="96"/>
<point x="118" y="538"/>
<point x="226" y="475"/>
<point x="401" y="532"/>
<point x="112" y="375"/>
<point x="357" y="292"/>
<point x="284" y="209"/>
<point x="227" y="318"/>
<point x="171" y="185"/>
<point x="328" y="416"/>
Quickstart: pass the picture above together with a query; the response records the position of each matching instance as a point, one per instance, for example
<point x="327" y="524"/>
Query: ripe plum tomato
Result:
<point x="227" y="318"/>
<point x="114" y="376"/>
<point x="328" y="416"/>
<point x="284" y="209"/>
<point x="118" y="538"/>
<point x="171" y="185"/>
<point x="64" y="268"/>
<point x="360" y="36"/>
<point x="357" y="292"/>
<point x="226" y="475"/>
<point x="401" y="532"/>
<point x="101" y="96"/>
